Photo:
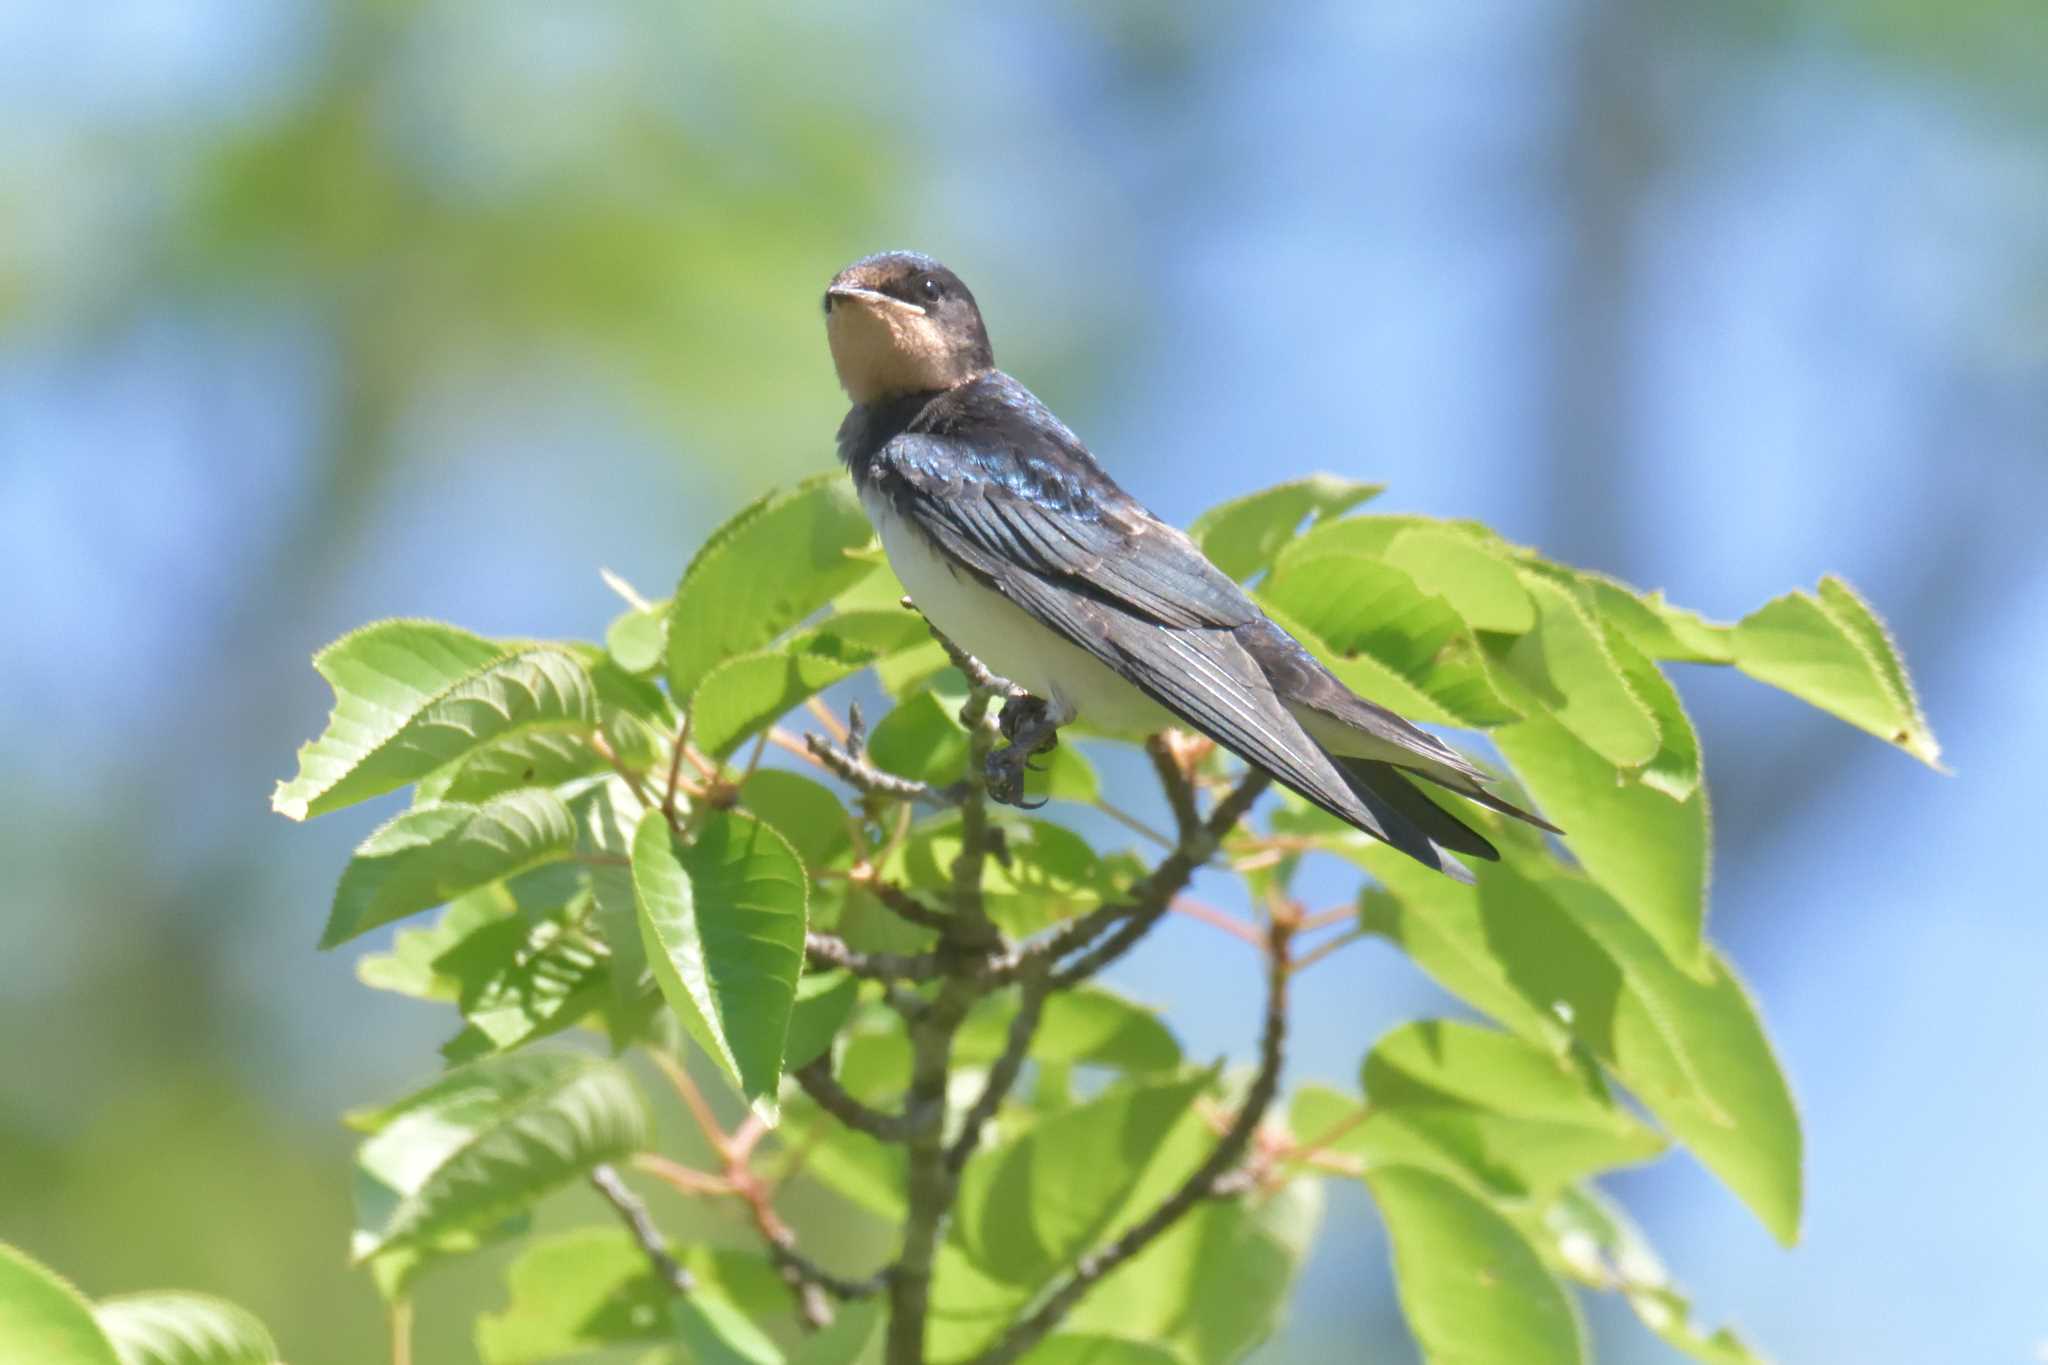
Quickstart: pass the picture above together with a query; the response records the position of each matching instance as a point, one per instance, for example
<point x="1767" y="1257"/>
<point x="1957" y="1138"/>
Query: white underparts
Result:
<point x="1004" y="636"/>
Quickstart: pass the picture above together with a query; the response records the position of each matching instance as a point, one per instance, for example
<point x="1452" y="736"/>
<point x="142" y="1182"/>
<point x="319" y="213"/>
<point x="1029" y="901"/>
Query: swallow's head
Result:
<point x="902" y="323"/>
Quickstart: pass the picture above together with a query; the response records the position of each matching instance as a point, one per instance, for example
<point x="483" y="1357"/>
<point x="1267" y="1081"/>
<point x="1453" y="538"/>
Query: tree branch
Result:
<point x="1219" y="1165"/>
<point x="805" y="1279"/>
<point x="605" y="1178"/>
<point x="827" y="950"/>
<point x="1003" y="1075"/>
<point x="821" y="1085"/>
<point x="862" y="775"/>
<point x="904" y="905"/>
<point x="1168" y="879"/>
<point x="929" y="1185"/>
<point x="968" y="945"/>
<point x="1173" y="778"/>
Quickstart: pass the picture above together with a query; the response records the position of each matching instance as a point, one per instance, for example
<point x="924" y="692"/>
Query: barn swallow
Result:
<point x="1018" y="547"/>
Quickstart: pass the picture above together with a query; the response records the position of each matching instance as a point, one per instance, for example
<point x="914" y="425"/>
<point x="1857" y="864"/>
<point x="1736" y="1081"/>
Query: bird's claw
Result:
<point x="1004" y="775"/>
<point x="1027" y="723"/>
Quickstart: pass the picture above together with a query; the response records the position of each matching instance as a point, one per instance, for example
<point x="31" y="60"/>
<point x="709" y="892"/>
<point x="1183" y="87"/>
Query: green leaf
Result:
<point x="535" y="758"/>
<point x="408" y="969"/>
<point x="804" y="812"/>
<point x="1216" y="1284"/>
<point x="1029" y="1207"/>
<point x="180" y="1328"/>
<point x="1358" y="608"/>
<point x="744" y="696"/>
<point x="765" y="570"/>
<point x="1520" y="1118"/>
<point x="410" y="696"/>
<point x="1566" y="662"/>
<point x="1833" y="652"/>
<point x="1551" y="955"/>
<point x="485" y="1141"/>
<point x="1471" y="1286"/>
<point x="1659" y="629"/>
<point x="433" y="853"/>
<point x="592" y="1288"/>
<point x="1591" y="1240"/>
<point x="1465" y="570"/>
<point x="1650" y="852"/>
<point x="716" y="1332"/>
<point x="723" y="920"/>
<point x="823" y="1002"/>
<point x="921" y="738"/>
<point x="609" y="816"/>
<point x="397" y="1271"/>
<point x="1052" y="873"/>
<point x="1073" y="1348"/>
<point x="1242" y="536"/>
<point x="42" y="1318"/>
<point x="637" y="639"/>
<point x="854" y="1328"/>
<point x="523" y="979"/>
<point x="1675" y="768"/>
<point x="859" y="1169"/>
<point x="1087" y="1026"/>
<point x="1694" y="1052"/>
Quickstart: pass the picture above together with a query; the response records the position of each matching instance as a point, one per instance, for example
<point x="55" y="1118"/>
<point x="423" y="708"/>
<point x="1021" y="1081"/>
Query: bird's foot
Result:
<point x="1031" y="727"/>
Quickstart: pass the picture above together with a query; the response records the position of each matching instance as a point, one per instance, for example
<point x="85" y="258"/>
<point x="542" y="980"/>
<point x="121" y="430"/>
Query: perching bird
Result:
<point x="1017" y="546"/>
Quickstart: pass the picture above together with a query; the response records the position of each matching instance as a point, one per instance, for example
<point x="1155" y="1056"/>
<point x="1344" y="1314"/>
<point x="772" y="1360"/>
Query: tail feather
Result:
<point x="1410" y="821"/>
<point x="1395" y="789"/>
<point x="1473" y="791"/>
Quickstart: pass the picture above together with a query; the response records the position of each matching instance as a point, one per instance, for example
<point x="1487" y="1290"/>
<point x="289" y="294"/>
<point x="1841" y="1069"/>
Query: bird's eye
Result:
<point x="930" y="289"/>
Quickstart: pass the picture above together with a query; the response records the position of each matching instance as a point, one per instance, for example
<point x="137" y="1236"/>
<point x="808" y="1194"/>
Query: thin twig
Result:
<point x="675" y="768"/>
<point x="1321" y="1141"/>
<point x="1166" y="882"/>
<point x="400" y="1314"/>
<point x="641" y="1224"/>
<point x="1131" y="822"/>
<point x="821" y="1085"/>
<point x="754" y="758"/>
<point x="784" y="740"/>
<point x="1221" y="919"/>
<point x="1323" y="919"/>
<point x="693" y="1099"/>
<point x="1328" y="946"/>
<point x="1173" y="779"/>
<point x="827" y="950"/>
<point x="1091" y="1268"/>
<point x="971" y="923"/>
<point x="928" y="1184"/>
<point x="603" y="749"/>
<point x="864" y="776"/>
<point x="805" y="1280"/>
<point x="816" y="706"/>
<point x="1003" y="1075"/>
<point x="684" y="1180"/>
<point x="904" y="905"/>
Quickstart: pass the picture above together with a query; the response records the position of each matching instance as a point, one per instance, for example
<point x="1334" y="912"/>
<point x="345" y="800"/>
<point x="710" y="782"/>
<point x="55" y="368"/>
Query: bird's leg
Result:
<point x="1032" y="726"/>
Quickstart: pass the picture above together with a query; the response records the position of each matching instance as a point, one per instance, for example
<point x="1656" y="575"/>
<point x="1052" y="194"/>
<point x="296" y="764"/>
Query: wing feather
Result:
<point x="1140" y="597"/>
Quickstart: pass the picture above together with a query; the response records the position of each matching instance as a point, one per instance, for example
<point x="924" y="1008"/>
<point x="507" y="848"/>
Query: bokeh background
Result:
<point x="312" y="313"/>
